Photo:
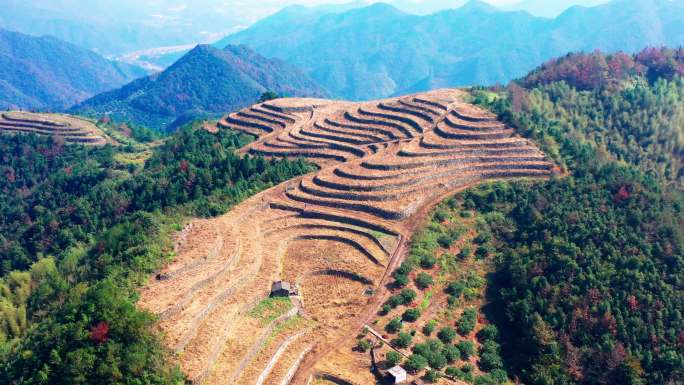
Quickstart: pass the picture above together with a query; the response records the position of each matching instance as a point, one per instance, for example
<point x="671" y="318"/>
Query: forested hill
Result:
<point x="82" y="227"/>
<point x="205" y="82"/>
<point x="588" y="284"/>
<point x="631" y="106"/>
<point x="47" y="73"/>
<point x="378" y="51"/>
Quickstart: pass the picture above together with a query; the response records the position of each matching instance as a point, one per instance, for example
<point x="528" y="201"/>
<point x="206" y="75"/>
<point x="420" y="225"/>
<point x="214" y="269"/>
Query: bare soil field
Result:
<point x="69" y="128"/>
<point x="335" y="234"/>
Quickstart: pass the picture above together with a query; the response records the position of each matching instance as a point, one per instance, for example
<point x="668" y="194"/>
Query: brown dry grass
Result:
<point x="260" y="244"/>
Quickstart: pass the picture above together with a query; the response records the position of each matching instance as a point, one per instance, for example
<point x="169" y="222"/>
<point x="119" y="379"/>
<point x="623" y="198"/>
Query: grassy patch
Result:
<point x="269" y="309"/>
<point x="426" y="300"/>
<point x="295" y="323"/>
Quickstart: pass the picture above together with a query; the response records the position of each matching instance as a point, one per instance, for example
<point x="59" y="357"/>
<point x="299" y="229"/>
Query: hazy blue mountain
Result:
<point x="47" y="73"/>
<point x="117" y="27"/>
<point x="550" y="8"/>
<point x="377" y="51"/>
<point x="207" y="81"/>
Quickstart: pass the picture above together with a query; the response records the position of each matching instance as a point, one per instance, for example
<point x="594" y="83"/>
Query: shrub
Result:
<point x="411" y="315"/>
<point x="408" y="295"/>
<point x="474" y="281"/>
<point x="394" y="325"/>
<point x="445" y="241"/>
<point x="451" y="353"/>
<point x="269" y="95"/>
<point x="467" y="349"/>
<point x="455" y="288"/>
<point x="429" y="327"/>
<point x="424" y="280"/>
<point x="482" y="252"/>
<point x="428" y="347"/>
<point x="490" y="358"/>
<point x="453" y="372"/>
<point x="404" y="269"/>
<point x="499" y="375"/>
<point x="427" y="261"/>
<point x="488" y="332"/>
<point x="447" y="334"/>
<point x="401" y="280"/>
<point x="485" y="380"/>
<point x="483" y="238"/>
<point x="403" y="340"/>
<point x="467" y="322"/>
<point x="437" y="360"/>
<point x="490" y="361"/>
<point x="415" y="363"/>
<point x="465" y="252"/>
<point x="465" y="373"/>
<point x="470" y="294"/>
<point x="395" y="301"/>
<point x="392" y="358"/>
<point x="386" y="308"/>
<point x="363" y="345"/>
<point x="432" y="376"/>
<point x="440" y="216"/>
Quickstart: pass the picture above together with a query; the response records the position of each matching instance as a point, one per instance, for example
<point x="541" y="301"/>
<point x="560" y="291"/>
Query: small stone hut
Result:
<point x="282" y="289"/>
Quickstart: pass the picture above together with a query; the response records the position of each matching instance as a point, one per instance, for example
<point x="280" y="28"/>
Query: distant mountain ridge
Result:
<point x="379" y="51"/>
<point x="47" y="73"/>
<point x="205" y="82"/>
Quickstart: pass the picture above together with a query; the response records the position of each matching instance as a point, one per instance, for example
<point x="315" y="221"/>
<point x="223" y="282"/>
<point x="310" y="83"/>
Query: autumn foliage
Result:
<point x="98" y="333"/>
<point x="590" y="70"/>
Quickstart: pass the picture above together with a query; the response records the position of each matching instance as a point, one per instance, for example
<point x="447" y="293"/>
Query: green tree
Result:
<point x="392" y="358"/>
<point x="424" y="280"/>
<point x="415" y="363"/>
<point x="411" y="315"/>
<point x="268" y="95"/>
<point x="466" y="323"/>
<point x="447" y="334"/>
<point x="394" y="325"/>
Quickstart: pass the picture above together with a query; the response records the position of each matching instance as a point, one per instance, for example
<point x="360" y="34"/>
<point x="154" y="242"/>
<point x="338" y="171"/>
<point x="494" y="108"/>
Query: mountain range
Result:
<point x="378" y="50"/>
<point x="118" y="27"/>
<point x="47" y="73"/>
<point x="205" y="82"/>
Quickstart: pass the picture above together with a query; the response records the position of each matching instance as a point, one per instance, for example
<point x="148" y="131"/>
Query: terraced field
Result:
<point x="336" y="233"/>
<point x="69" y="128"/>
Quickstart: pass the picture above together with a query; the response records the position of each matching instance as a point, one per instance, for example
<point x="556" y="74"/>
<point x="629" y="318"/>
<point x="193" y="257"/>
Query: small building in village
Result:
<point x="397" y="374"/>
<point x="282" y="289"/>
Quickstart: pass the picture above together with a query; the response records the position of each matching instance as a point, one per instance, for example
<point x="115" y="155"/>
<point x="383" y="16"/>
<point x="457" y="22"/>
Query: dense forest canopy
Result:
<point x="586" y="71"/>
<point x="590" y="266"/>
<point x="81" y="229"/>
<point x="634" y="115"/>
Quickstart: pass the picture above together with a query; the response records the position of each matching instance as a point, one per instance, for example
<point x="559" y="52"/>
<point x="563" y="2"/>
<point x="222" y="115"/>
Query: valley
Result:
<point x="334" y="234"/>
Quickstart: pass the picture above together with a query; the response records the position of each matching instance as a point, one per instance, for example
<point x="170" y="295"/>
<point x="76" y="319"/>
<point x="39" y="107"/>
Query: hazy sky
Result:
<point x="182" y="22"/>
<point x="252" y="5"/>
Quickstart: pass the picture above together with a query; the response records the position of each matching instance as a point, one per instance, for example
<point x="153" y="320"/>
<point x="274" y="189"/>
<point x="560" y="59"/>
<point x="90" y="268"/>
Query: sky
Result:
<point x="545" y="7"/>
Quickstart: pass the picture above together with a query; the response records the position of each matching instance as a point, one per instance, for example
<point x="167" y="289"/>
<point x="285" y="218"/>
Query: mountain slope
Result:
<point x="46" y="73"/>
<point x="206" y="81"/>
<point x="379" y="51"/>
